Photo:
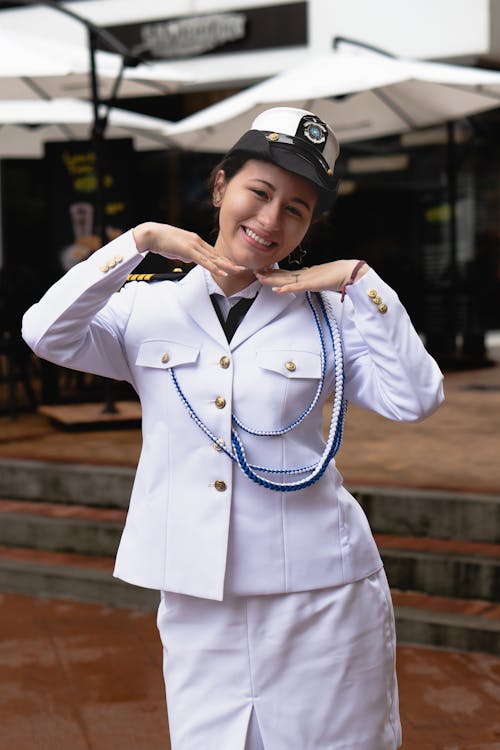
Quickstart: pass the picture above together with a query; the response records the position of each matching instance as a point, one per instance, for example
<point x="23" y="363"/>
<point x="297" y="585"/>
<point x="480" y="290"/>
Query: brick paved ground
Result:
<point x="84" y="677"/>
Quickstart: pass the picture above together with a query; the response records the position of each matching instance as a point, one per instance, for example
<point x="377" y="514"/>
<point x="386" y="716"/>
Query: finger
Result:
<point x="204" y="260"/>
<point x="228" y="265"/>
<point x="278" y="279"/>
<point x="288" y="289"/>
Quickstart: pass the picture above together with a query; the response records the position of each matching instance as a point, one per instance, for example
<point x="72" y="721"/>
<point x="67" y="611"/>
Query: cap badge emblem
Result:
<point x="273" y="137"/>
<point x="315" y="131"/>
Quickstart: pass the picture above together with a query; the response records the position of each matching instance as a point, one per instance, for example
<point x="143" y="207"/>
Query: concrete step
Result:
<point x="442" y="567"/>
<point x="470" y="625"/>
<point x="432" y="513"/>
<point x="108" y="486"/>
<point x="57" y="527"/>
<point x="436" y="566"/>
<point x="70" y="576"/>
<point x="449" y="622"/>
<point x="474" y="517"/>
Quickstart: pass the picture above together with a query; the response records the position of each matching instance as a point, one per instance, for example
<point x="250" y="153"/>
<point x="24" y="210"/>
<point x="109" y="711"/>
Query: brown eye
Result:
<point x="259" y="193"/>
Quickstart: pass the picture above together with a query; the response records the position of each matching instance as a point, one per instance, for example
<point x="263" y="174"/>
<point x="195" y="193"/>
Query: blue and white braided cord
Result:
<point x="336" y="424"/>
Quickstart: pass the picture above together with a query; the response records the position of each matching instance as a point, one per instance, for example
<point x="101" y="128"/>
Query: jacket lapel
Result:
<point x="193" y="297"/>
<point x="266" y="307"/>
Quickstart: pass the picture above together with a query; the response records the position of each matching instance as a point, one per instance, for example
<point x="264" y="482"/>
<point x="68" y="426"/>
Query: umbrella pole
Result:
<point x="97" y="142"/>
<point x="451" y="179"/>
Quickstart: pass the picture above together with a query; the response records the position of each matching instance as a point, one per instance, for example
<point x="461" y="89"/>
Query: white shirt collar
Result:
<point x="249" y="291"/>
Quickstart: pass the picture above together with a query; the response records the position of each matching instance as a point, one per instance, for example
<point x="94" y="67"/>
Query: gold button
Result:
<point x="165" y="358"/>
<point x="220" y="402"/>
<point x="177" y="270"/>
<point x="220" y="486"/>
<point x="371" y="293"/>
<point x="290" y="366"/>
<point x="111" y="263"/>
<point x="118" y="258"/>
<point x="224" y="362"/>
<point x="273" y="137"/>
<point x="104" y="268"/>
<point x="218" y="445"/>
<point x="382" y="309"/>
<point x="377" y="300"/>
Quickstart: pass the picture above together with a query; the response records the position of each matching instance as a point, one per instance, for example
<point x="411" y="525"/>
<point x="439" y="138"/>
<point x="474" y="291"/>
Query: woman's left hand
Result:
<point x="327" y="276"/>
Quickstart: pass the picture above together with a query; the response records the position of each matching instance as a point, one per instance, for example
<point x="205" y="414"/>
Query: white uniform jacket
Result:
<point x="196" y="524"/>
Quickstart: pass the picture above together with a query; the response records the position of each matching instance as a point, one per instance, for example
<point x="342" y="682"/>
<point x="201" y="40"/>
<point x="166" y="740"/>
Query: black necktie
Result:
<point x="236" y="314"/>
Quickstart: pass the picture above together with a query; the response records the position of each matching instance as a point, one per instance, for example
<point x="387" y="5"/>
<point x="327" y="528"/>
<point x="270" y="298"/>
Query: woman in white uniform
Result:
<point x="275" y="614"/>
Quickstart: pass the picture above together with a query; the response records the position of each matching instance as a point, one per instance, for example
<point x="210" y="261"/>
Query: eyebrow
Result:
<point x="295" y="199"/>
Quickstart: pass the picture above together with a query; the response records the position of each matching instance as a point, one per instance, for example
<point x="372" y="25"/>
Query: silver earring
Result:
<point x="297" y="256"/>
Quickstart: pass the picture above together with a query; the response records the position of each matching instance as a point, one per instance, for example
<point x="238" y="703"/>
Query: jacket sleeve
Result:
<point x="80" y="320"/>
<point x="388" y="369"/>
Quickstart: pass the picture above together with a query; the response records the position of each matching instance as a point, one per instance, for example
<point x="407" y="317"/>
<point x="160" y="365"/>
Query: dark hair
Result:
<point x="231" y="165"/>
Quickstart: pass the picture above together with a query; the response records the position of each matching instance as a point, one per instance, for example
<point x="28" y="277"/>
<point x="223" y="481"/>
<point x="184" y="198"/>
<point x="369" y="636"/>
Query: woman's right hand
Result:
<point x="180" y="244"/>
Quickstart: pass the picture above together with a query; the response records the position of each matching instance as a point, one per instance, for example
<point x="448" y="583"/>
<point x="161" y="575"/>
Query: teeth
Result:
<point x="257" y="238"/>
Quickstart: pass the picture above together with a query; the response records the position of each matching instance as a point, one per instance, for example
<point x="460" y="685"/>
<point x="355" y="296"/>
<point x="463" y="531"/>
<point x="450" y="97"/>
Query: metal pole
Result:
<point x="451" y="178"/>
<point x="97" y="142"/>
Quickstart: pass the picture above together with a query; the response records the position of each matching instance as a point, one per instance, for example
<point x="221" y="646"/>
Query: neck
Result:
<point x="234" y="283"/>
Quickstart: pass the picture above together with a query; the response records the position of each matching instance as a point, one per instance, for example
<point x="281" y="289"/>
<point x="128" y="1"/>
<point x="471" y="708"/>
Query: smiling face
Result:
<point x="265" y="212"/>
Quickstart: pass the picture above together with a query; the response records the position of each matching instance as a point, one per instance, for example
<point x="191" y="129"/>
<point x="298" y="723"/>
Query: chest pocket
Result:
<point x="290" y="363"/>
<point x="278" y="389"/>
<point x="165" y="353"/>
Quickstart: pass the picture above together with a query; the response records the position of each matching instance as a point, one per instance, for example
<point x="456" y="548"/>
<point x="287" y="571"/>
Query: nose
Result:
<point x="269" y="215"/>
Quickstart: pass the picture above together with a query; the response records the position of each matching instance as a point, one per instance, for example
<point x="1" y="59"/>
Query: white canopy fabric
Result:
<point x="193" y="73"/>
<point x="32" y="67"/>
<point x="70" y="119"/>
<point x="361" y="94"/>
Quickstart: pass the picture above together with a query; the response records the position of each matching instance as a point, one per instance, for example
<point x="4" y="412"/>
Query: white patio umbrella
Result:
<point x="31" y="67"/>
<point x="362" y="94"/>
<point x="26" y="125"/>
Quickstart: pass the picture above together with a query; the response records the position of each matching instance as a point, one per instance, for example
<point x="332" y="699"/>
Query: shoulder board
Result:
<point x="150" y="277"/>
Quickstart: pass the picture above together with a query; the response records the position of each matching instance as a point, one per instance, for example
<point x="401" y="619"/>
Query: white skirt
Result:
<point x="312" y="670"/>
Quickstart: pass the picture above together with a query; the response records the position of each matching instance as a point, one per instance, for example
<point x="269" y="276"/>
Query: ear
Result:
<point x="219" y="188"/>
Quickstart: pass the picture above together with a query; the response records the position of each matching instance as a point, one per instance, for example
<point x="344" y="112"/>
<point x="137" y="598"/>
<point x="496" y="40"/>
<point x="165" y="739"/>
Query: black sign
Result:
<point x="245" y="30"/>
<point x="72" y="195"/>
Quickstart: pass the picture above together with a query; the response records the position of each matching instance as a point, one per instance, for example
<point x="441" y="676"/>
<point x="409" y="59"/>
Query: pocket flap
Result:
<point x="164" y="353"/>
<point x="290" y="362"/>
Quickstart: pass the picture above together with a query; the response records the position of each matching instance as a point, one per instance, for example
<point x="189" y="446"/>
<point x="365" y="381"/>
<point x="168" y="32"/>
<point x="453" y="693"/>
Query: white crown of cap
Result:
<point x="286" y="120"/>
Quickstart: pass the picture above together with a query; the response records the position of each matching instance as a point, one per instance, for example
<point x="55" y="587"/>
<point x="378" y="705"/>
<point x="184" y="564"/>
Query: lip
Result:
<point x="255" y="244"/>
